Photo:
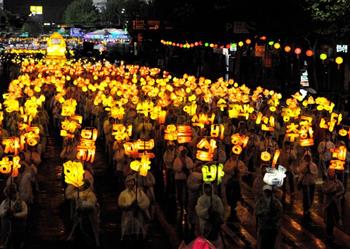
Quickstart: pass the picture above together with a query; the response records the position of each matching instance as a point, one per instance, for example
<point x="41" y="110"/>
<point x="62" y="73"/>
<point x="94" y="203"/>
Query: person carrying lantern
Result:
<point x="268" y="215"/>
<point x="183" y="165"/>
<point x="307" y="180"/>
<point x="13" y="213"/>
<point x="86" y="216"/>
<point x="333" y="190"/>
<point x="288" y="159"/>
<point x="134" y="204"/>
<point x="210" y="211"/>
<point x="325" y="155"/>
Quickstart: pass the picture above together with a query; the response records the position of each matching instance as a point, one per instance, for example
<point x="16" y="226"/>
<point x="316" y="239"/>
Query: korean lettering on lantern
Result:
<point x="338" y="158"/>
<point x="10" y="167"/>
<point x="13" y="145"/>
<point x="239" y="142"/>
<point x="207" y="154"/>
<point x="70" y="125"/>
<point x="203" y="119"/>
<point x="138" y="148"/>
<point x="238" y="110"/>
<point x="86" y="148"/>
<point x="181" y="133"/>
<point x="121" y="132"/>
<point x="267" y="123"/>
<point x="213" y="172"/>
<point x="335" y="119"/>
<point x="141" y="166"/>
<point x="306" y="132"/>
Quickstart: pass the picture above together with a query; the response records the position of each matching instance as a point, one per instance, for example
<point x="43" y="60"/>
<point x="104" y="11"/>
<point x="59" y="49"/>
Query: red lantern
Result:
<point x="309" y="53"/>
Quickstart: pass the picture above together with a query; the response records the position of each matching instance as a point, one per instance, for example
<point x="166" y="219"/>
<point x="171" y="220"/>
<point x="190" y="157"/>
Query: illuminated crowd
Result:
<point x="207" y="138"/>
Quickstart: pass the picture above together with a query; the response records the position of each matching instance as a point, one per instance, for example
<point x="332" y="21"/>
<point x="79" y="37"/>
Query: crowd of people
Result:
<point x="175" y="178"/>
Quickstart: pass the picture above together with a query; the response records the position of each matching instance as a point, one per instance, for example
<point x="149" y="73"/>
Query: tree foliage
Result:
<point x="327" y="10"/>
<point x="81" y="12"/>
<point x="329" y="16"/>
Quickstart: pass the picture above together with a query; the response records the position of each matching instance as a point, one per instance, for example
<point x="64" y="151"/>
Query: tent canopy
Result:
<point x="103" y="34"/>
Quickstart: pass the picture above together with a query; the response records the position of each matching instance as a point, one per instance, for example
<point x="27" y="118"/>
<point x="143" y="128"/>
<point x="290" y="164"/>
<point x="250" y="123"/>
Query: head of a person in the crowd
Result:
<point x="86" y="185"/>
<point x="207" y="189"/>
<point x="263" y="168"/>
<point x="234" y="156"/>
<point x="307" y="157"/>
<point x="11" y="192"/>
<point x="327" y="136"/>
<point x="183" y="151"/>
<point x="171" y="146"/>
<point x="130" y="182"/>
<point x="287" y="145"/>
<point x="331" y="174"/>
<point x="267" y="190"/>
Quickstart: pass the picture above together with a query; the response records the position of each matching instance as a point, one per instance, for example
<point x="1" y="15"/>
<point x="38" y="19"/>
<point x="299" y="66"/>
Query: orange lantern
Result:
<point x="287" y="49"/>
<point x="184" y="134"/>
<point x="237" y="149"/>
<point x="275" y="158"/>
<point x="309" y="53"/>
<point x="10" y="167"/>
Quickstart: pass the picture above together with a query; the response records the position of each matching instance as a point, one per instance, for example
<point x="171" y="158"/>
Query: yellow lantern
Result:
<point x="212" y="173"/>
<point x="56" y="47"/>
<point x="265" y="156"/>
<point x="74" y="173"/>
<point x="339" y="60"/>
<point x="141" y="166"/>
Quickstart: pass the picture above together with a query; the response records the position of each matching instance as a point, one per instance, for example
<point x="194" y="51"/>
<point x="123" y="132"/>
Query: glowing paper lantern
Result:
<point x="248" y="41"/>
<point x="277" y="45"/>
<point x="287" y="49"/>
<point x="141" y="166"/>
<point x="212" y="173"/>
<point x="74" y="173"/>
<point x="265" y="156"/>
<point x="297" y="51"/>
<point x="309" y="53"/>
<point x="275" y="176"/>
<point x="56" y="46"/>
<point x="323" y="56"/>
<point x="275" y="158"/>
<point x="10" y="167"/>
<point x="339" y="60"/>
<point x="240" y="44"/>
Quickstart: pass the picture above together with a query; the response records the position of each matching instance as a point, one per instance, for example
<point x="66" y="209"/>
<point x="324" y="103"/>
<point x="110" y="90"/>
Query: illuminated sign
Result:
<point x="36" y="10"/>
<point x="342" y="48"/>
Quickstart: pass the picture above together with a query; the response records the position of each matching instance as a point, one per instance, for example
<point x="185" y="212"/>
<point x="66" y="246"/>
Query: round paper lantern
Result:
<point x="248" y="41"/>
<point x="277" y="45"/>
<point x="240" y="43"/>
<point x="297" y="51"/>
<point x="271" y="43"/>
<point x="265" y="156"/>
<point x="339" y="60"/>
<point x="309" y="53"/>
<point x="287" y="49"/>
<point x="323" y="56"/>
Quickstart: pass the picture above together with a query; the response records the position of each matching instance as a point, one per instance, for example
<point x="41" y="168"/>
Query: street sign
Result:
<point x="304" y="78"/>
<point x="342" y="48"/>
